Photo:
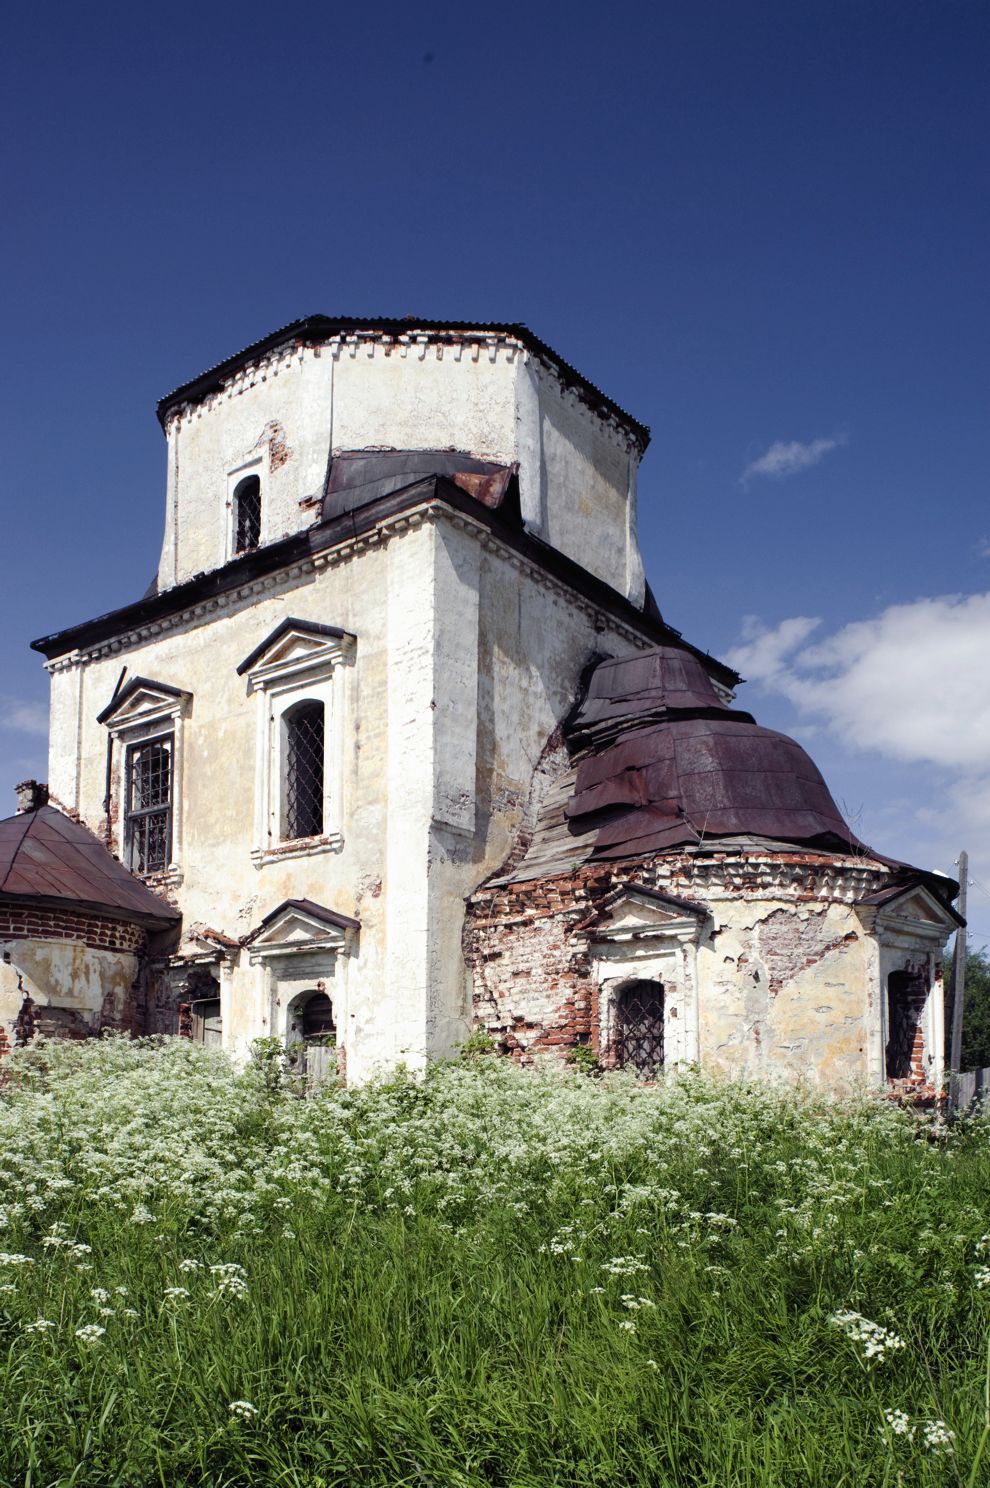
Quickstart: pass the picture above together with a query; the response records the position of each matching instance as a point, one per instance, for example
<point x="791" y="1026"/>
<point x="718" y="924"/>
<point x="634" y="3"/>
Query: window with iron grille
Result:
<point x="639" y="1014"/>
<point x="247" y="514"/>
<point x="303" y="766"/>
<point x="148" y="809"/>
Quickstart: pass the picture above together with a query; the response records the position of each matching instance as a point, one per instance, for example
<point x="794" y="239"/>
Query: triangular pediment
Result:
<point x="301" y="925"/>
<point x="635" y="910"/>
<point x="297" y="644"/>
<point x="921" y="907"/>
<point x="142" y="698"/>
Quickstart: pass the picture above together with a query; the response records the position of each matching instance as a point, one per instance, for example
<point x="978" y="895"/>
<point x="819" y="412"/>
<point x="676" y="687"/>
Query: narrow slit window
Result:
<point x="247" y="514"/>
<point x="304" y="741"/>
<point x="148" y="815"/>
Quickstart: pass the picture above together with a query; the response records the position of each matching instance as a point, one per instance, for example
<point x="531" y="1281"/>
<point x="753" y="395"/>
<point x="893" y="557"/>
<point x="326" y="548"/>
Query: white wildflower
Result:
<point x="899" y="1422"/>
<point x="40" y="1325"/>
<point x="628" y="1326"/>
<point x="937" y="1437"/>
<point x="876" y="1341"/>
<point x="176" y="1294"/>
<point x="242" y="1409"/>
<point x="141" y="1215"/>
<point x="99" y="1294"/>
<point x="90" y="1334"/>
<point x="12" y="1259"/>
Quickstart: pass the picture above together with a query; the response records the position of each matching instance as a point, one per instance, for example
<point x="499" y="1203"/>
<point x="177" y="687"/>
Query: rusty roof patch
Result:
<point x="45" y="855"/>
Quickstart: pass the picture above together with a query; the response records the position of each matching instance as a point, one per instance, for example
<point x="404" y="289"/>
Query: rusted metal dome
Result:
<point x="662" y="761"/>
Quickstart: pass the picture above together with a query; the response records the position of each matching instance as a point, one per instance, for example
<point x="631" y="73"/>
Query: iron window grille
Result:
<point x="148" y="812"/>
<point x="247" y="514"/>
<point x="304" y="740"/>
<point x="639" y="1017"/>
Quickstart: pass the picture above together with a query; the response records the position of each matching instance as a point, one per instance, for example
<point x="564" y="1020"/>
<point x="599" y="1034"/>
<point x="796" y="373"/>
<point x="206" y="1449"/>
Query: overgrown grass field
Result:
<point x="489" y="1277"/>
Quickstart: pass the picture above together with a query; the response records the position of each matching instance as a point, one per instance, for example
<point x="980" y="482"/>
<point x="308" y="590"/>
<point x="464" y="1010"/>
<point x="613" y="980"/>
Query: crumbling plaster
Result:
<point x="785" y="976"/>
<point x="93" y="986"/>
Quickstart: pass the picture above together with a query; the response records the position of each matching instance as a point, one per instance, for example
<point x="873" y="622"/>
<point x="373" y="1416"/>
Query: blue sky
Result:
<point x="762" y="227"/>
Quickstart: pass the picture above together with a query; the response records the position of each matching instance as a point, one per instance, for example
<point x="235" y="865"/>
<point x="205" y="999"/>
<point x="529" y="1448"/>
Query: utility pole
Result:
<point x="958" y="987"/>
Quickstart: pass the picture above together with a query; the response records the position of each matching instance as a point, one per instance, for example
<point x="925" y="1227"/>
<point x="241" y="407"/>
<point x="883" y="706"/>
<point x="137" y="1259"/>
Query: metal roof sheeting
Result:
<point x="45" y="855"/>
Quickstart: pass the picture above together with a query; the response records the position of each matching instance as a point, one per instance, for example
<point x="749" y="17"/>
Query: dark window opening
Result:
<point x="304" y="771"/>
<point x="148" y="811"/>
<point x="247" y="514"/>
<point x="906" y="994"/>
<point x="317" y="1019"/>
<point x="639" y="1014"/>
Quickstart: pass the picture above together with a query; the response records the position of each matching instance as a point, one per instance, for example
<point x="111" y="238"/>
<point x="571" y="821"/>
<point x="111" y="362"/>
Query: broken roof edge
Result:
<point x="314" y="328"/>
<point x="321" y="536"/>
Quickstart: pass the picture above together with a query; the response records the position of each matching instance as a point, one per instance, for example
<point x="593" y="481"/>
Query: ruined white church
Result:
<point x="398" y="744"/>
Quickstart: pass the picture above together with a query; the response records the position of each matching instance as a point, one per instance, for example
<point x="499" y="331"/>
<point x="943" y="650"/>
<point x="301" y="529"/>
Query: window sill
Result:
<point x="304" y="847"/>
<point x="168" y="878"/>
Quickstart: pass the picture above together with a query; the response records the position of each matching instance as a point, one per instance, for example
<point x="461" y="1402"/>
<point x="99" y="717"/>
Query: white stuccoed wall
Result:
<point x="466" y="658"/>
<point x="486" y="395"/>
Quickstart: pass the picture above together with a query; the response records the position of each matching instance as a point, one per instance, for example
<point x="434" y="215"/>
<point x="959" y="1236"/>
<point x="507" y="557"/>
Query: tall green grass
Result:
<point x="489" y="1277"/>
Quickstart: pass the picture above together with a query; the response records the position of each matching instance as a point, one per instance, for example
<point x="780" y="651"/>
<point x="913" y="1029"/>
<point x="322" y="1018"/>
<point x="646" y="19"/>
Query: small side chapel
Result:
<point x="398" y="744"/>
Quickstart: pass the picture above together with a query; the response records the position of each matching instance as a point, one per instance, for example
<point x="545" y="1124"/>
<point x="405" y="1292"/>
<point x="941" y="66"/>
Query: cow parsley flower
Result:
<point x="875" y="1341"/>
<point x="40" y="1325"/>
<point x="242" y="1409"/>
<point x="937" y="1437"/>
<point x="90" y="1334"/>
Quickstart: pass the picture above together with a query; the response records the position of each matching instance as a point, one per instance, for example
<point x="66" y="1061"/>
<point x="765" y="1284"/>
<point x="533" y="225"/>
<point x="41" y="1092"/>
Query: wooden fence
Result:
<point x="970" y="1086"/>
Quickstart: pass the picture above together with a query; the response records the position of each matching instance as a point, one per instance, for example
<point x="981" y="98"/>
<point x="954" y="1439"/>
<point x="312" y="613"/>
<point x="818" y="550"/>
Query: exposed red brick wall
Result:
<point x="532" y="973"/>
<point x="30" y="922"/>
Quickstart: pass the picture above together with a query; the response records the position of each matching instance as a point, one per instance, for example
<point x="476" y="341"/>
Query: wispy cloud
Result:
<point x="788" y="457"/>
<point x="23" y="717"/>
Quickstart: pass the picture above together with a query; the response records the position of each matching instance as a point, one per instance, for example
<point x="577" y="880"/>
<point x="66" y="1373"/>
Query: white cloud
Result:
<point x="788" y="457"/>
<point x="912" y="683"/>
<point x="912" y="686"/>
<point x="23" y="717"/>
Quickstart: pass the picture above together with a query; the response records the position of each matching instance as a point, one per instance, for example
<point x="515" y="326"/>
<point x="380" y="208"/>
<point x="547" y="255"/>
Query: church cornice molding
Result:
<point x="430" y="510"/>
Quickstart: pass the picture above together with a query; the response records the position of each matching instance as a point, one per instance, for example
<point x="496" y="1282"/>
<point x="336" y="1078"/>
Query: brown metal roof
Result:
<point x="47" y="856"/>
<point x="666" y="763"/>
<point x="315" y="328"/>
<point x="359" y="477"/>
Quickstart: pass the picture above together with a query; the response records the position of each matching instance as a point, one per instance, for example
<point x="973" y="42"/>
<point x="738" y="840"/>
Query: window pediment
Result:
<point x="143" y="701"/>
<point x="635" y="912"/>
<point x="299" y="925"/>
<point x="915" y="909"/>
<point x="296" y="647"/>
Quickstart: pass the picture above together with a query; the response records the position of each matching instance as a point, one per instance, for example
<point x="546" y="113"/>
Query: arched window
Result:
<point x="639" y="1011"/>
<point x="247" y="514"/>
<point x="303" y="770"/>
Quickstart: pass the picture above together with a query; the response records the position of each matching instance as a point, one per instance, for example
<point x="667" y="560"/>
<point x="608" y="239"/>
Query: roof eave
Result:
<point x="314" y="328"/>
